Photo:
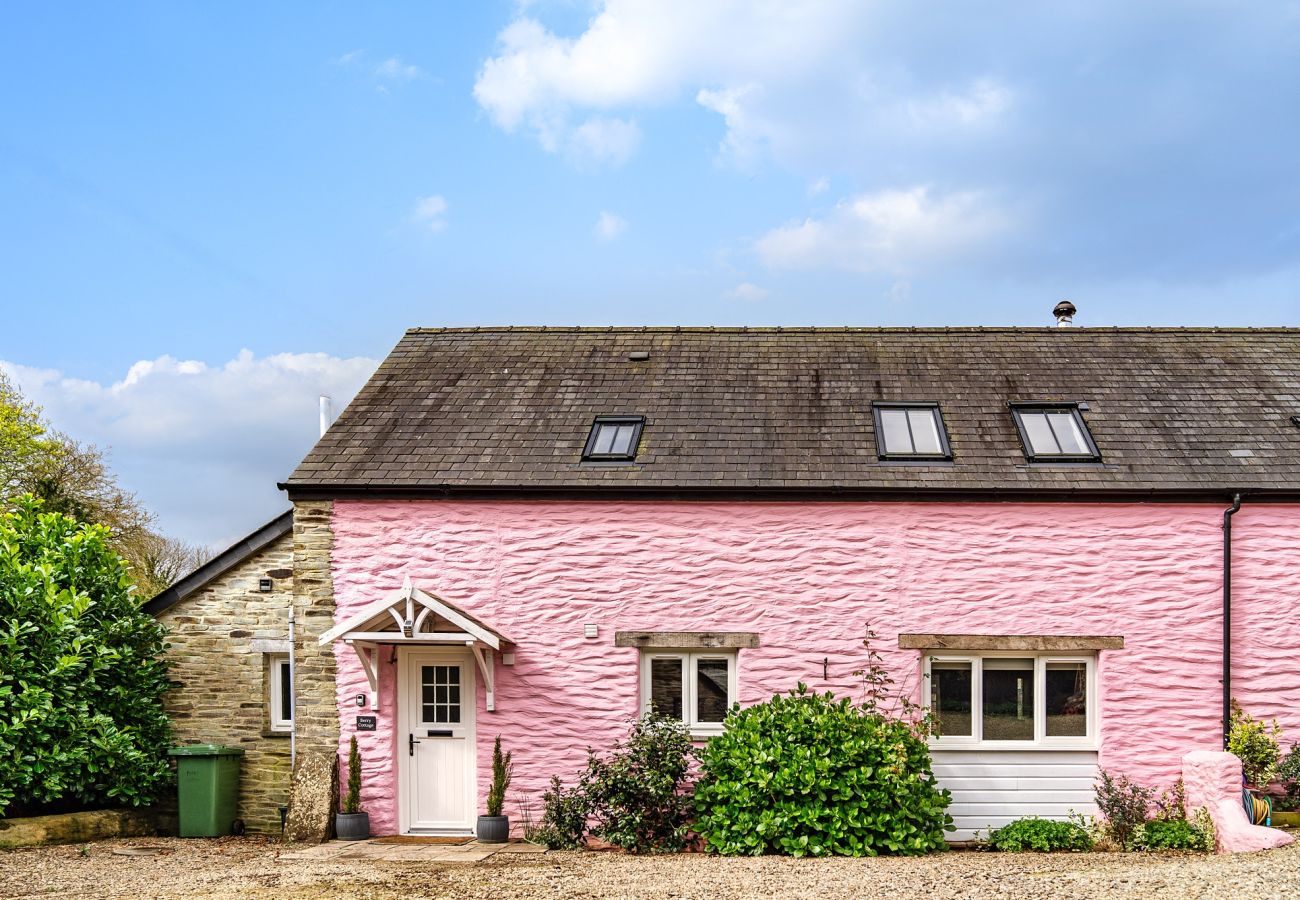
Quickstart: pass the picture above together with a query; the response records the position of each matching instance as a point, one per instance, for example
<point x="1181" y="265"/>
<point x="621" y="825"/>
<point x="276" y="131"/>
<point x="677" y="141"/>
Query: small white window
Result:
<point x="281" y="693"/>
<point x="614" y="438"/>
<point x="1054" y="433"/>
<point x="696" y="686"/>
<point x="910" y="431"/>
<point x="1012" y="700"/>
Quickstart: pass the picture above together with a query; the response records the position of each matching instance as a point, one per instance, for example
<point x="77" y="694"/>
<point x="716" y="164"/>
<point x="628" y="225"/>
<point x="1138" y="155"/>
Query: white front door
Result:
<point x="436" y="749"/>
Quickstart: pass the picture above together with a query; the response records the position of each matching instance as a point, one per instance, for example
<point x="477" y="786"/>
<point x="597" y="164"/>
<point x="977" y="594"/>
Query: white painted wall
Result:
<point x="993" y="787"/>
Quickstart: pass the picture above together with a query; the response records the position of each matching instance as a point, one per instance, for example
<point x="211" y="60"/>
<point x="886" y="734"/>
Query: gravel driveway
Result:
<point x="235" y="867"/>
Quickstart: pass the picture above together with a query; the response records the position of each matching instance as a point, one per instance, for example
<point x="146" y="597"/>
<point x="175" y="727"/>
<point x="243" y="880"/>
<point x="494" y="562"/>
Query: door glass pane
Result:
<point x="710" y="690"/>
<point x="893" y="422"/>
<point x="1008" y="699"/>
<point x="1067" y="699"/>
<point x="440" y="694"/>
<point x="925" y="432"/>
<point x="1067" y="433"/>
<point x="950" y="698"/>
<point x="1041" y="442"/>
<point x="666" y="687"/>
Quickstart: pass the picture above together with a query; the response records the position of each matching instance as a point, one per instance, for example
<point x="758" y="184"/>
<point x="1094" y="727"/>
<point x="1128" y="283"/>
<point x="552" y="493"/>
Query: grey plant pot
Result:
<point x="352" y="826"/>
<point x="493" y="829"/>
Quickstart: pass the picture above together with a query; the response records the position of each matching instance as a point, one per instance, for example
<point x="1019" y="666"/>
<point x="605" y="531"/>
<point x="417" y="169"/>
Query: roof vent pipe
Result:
<point x="1064" y="312"/>
<point x="326" y="416"/>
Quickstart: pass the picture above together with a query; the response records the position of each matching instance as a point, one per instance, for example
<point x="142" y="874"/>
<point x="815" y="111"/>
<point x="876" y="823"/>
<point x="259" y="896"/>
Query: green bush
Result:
<point x="809" y="775"/>
<point x="1123" y="805"/>
<point x="503" y="768"/>
<point x="81" y="674"/>
<point x="633" y="796"/>
<point x="1288" y="774"/>
<point x="1171" y="834"/>
<point x="352" y="799"/>
<point x="1042" y="835"/>
<point x="565" y="811"/>
<point x="1255" y="743"/>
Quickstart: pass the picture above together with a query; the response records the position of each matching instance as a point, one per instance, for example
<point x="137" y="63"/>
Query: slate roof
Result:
<point x="766" y="411"/>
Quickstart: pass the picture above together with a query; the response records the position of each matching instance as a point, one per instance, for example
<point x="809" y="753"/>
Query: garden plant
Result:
<point x="81" y="671"/>
<point x="1041" y="835"/>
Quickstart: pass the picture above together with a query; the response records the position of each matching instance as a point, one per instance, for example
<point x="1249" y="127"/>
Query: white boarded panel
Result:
<point x="991" y="788"/>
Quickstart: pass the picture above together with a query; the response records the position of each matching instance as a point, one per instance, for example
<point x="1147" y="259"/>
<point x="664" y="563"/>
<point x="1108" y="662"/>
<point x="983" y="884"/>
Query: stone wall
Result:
<point x="218" y="636"/>
<point x="313" y="542"/>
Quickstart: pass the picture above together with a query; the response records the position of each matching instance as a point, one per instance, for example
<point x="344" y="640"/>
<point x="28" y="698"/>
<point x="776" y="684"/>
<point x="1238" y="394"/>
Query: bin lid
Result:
<point x="205" y="750"/>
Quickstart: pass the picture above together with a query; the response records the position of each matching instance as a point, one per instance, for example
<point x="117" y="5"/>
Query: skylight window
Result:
<point x="1054" y="432"/>
<point x="614" y="438"/>
<point x="910" y="431"/>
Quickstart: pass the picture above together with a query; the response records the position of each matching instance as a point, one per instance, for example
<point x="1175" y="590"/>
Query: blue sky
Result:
<point x="210" y="214"/>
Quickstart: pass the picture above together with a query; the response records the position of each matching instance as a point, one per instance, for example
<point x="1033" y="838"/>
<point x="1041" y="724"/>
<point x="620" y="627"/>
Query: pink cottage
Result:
<point x="1074" y="544"/>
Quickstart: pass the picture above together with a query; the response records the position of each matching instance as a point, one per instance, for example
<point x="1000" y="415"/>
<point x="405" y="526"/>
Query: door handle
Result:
<point x="411" y="742"/>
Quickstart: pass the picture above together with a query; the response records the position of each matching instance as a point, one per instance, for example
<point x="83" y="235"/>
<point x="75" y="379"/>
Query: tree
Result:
<point x="81" y="670"/>
<point x="72" y="478"/>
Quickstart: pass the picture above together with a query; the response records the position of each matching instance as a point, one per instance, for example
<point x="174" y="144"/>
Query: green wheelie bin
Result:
<point x="207" y="781"/>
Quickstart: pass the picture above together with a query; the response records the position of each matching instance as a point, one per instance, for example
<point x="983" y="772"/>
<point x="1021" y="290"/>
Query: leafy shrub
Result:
<point x="1171" y="834"/>
<point x="1123" y="806"/>
<point x="636" y="791"/>
<point x="1288" y="773"/>
<point x="503" y="768"/>
<point x="81" y="678"/>
<point x="1042" y="835"/>
<point x="809" y="775"/>
<point x="565" y="810"/>
<point x="1255" y="743"/>
<point x="633" y="796"/>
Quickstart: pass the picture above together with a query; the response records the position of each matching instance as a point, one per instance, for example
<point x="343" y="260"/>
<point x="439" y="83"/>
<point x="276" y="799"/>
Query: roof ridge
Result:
<point x="857" y="329"/>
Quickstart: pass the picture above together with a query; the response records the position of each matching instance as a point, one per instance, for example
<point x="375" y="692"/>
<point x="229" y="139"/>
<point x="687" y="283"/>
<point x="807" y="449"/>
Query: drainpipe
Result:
<point x="293" y="699"/>
<point x="1227" y="615"/>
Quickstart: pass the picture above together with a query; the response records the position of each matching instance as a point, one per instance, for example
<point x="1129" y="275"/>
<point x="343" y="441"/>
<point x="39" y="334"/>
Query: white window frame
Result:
<point x="690" y="685"/>
<point x="1041" y="741"/>
<point x="274" y="662"/>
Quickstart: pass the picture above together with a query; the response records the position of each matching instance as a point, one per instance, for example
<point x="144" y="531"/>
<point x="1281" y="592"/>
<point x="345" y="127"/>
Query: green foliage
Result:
<point x="809" y="775"/>
<point x="633" y="796"/>
<point x="1123" y="806"/>
<point x="1255" y="743"/>
<point x="565" y="812"/>
<point x="636" y="791"/>
<point x="1042" y="835"/>
<point x="352" y="801"/>
<point x="503" y="768"/>
<point x="1171" y="834"/>
<point x="81" y="674"/>
<point x="1288" y="774"/>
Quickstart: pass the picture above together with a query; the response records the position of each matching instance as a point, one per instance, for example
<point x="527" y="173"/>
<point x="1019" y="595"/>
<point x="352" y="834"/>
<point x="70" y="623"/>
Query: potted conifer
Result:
<point x="494" y="828"/>
<point x="353" y="824"/>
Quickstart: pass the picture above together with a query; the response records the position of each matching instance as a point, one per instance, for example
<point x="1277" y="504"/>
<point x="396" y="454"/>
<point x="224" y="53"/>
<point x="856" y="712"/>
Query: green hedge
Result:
<point x="809" y="775"/>
<point x="81" y="679"/>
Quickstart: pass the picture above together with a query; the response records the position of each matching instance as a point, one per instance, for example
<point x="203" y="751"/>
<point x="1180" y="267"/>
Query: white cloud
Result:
<point x="393" y="69"/>
<point x="889" y="231"/>
<point x="820" y="186"/>
<point x="793" y="81"/>
<point x="609" y="226"/>
<point x="602" y="140"/>
<point x="431" y="212"/>
<point x="746" y="292"/>
<point x="201" y="445"/>
<point x="635" y="54"/>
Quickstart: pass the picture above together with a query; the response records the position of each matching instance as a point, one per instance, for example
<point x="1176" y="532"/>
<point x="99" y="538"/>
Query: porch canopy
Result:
<point x="412" y="617"/>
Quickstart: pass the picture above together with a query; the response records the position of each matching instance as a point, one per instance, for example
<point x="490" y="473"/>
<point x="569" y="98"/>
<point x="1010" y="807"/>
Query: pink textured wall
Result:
<point x="808" y="578"/>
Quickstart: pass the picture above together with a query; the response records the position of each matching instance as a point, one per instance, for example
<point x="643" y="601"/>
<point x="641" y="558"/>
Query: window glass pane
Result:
<point x="666" y="687"/>
<point x="1041" y="441"/>
<point x="925" y="431"/>
<point x="622" y="440"/>
<point x="604" y="439"/>
<point x="893" y="422"/>
<point x="710" y="690"/>
<point x="440" y="694"/>
<point x="1067" y="699"/>
<point x="1008" y="699"/>
<point x="950" y="698"/>
<point x="1067" y="432"/>
<point x="286" y="692"/>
